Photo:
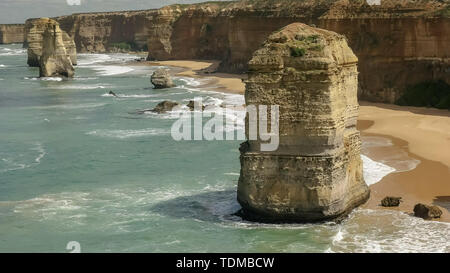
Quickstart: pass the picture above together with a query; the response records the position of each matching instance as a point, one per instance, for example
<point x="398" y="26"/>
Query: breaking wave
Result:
<point x="123" y="134"/>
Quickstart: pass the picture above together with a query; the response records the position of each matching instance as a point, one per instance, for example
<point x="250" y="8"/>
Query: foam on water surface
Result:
<point x="117" y="181"/>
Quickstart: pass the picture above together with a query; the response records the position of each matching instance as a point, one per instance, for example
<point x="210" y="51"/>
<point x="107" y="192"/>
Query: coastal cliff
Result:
<point x="399" y="43"/>
<point x="11" y="33"/>
<point x="392" y="41"/>
<point x="316" y="172"/>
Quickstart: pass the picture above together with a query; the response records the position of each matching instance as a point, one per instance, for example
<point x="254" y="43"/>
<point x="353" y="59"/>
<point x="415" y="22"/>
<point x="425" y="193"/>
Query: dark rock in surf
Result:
<point x="165" y="106"/>
<point x="427" y="212"/>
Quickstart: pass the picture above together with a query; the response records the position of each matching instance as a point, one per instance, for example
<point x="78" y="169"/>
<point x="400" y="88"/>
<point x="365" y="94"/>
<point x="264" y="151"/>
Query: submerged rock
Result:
<point x="165" y="106"/>
<point x="161" y="79"/>
<point x="426" y="211"/>
<point x="54" y="60"/>
<point x="316" y="172"/>
<point x="390" y="201"/>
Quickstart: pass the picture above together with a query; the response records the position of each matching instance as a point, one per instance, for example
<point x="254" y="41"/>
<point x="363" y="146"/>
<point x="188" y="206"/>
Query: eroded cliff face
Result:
<point x="54" y="59"/>
<point x="11" y="33"/>
<point x="34" y="33"/>
<point x="316" y="172"/>
<point x="398" y="43"/>
<point x="393" y="41"/>
<point x="104" y="32"/>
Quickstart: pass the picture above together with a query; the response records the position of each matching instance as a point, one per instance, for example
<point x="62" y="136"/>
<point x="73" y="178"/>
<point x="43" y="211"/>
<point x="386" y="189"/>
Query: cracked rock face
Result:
<point x="34" y="33"/>
<point x="316" y="172"/>
<point x="54" y="59"/>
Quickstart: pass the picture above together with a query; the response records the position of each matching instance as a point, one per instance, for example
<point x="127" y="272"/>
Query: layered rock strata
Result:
<point x="54" y="59"/>
<point x="316" y="172"/>
<point x="34" y="32"/>
<point x="398" y="43"/>
<point x="11" y="33"/>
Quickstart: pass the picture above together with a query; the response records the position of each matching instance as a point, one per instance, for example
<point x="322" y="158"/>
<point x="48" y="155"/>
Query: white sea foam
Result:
<point x="69" y="106"/>
<point x="374" y="171"/>
<point x="11" y="52"/>
<point x="396" y="157"/>
<point x="363" y="231"/>
<point x="130" y="96"/>
<point x="233" y="174"/>
<point x="40" y="149"/>
<point x="190" y="81"/>
<point x="80" y="87"/>
<point x="23" y="161"/>
<point x="391" y="231"/>
<point x="89" y="59"/>
<point x="123" y="134"/>
<point x="54" y="79"/>
<point x="110" y="70"/>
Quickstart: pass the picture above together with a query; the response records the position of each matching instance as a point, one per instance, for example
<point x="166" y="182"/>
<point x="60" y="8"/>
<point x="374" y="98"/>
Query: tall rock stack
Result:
<point x="54" y="60"/>
<point x="316" y="172"/>
<point x="34" y="31"/>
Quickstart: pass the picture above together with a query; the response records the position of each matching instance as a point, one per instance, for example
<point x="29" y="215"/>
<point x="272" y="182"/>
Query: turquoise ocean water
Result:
<point x="77" y="164"/>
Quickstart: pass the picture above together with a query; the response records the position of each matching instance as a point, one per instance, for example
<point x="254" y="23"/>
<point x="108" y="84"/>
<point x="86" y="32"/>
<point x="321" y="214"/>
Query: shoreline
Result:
<point x="421" y="133"/>
<point x="204" y="69"/>
<point x="427" y="183"/>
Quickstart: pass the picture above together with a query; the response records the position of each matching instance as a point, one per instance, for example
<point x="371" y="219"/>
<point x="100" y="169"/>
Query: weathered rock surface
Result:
<point x="316" y="172"/>
<point x="427" y="212"/>
<point x="54" y="60"/>
<point x="34" y="33"/>
<point x="392" y="41"/>
<point x="161" y="79"/>
<point x="165" y="106"/>
<point x="390" y="201"/>
<point x="11" y="33"/>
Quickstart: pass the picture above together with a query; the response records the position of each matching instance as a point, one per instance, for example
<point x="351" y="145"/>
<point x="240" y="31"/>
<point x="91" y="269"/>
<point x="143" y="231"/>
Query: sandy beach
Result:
<point x="420" y="134"/>
<point x="223" y="82"/>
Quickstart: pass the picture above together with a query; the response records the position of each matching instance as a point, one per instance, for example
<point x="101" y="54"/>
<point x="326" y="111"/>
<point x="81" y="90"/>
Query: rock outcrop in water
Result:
<point x="165" y="106"/>
<point x="34" y="32"/>
<point x="11" y="33"/>
<point x="161" y="79"/>
<point x="316" y="172"/>
<point x="54" y="59"/>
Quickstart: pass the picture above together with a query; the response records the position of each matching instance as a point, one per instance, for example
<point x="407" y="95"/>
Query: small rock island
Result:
<point x="316" y="173"/>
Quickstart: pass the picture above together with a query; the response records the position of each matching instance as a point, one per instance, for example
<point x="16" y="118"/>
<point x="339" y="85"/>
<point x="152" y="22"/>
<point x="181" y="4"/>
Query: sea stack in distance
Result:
<point x="316" y="173"/>
<point x="50" y="48"/>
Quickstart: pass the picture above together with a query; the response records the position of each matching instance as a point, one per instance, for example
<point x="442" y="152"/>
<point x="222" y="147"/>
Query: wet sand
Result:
<point x="428" y="182"/>
<point x="417" y="133"/>
<point x="222" y="82"/>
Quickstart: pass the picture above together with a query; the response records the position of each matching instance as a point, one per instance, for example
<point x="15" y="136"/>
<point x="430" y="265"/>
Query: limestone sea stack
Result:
<point x="316" y="173"/>
<point x="54" y="60"/>
<point x="34" y="31"/>
<point x="161" y="79"/>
